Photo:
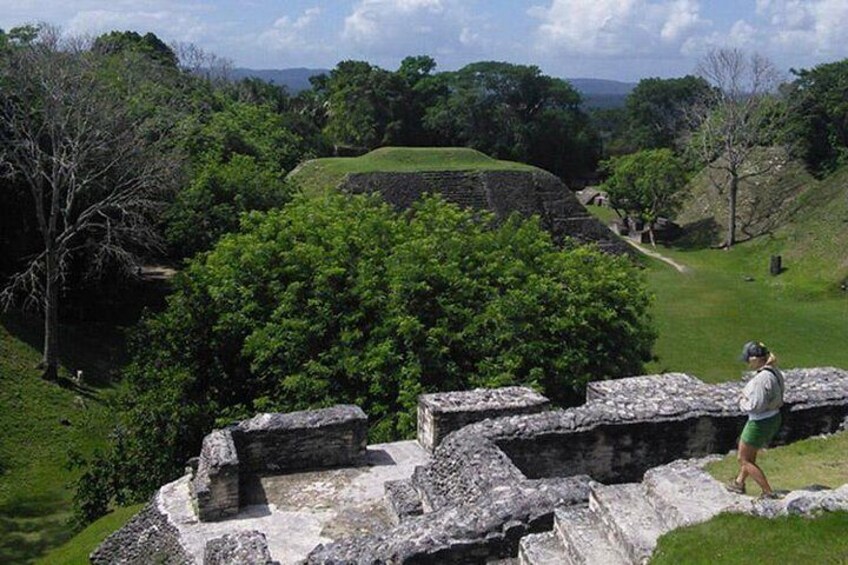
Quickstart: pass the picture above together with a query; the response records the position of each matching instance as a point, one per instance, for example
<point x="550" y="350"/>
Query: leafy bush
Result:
<point x="344" y="300"/>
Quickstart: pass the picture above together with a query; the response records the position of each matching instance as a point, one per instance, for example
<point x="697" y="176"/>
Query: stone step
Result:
<point x="583" y="539"/>
<point x="628" y="518"/>
<point x="684" y="494"/>
<point x="403" y="499"/>
<point x="541" y="549"/>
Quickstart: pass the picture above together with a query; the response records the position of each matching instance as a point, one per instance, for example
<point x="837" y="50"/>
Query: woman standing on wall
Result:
<point x="761" y="398"/>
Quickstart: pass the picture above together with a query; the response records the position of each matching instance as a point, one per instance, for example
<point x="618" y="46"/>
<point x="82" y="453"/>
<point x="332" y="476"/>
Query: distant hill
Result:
<point x="597" y="93"/>
<point x="600" y="93"/>
<point x="294" y="80"/>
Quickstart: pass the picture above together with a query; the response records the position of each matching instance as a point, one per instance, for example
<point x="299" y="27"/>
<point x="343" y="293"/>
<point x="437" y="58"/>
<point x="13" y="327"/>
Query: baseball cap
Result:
<point x="753" y="349"/>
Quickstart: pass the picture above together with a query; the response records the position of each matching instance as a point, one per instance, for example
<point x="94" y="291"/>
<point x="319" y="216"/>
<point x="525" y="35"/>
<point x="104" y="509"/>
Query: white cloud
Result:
<point x="410" y="27"/>
<point x="289" y="34"/>
<point x="170" y="21"/>
<point x="613" y="28"/>
<point x="816" y="26"/>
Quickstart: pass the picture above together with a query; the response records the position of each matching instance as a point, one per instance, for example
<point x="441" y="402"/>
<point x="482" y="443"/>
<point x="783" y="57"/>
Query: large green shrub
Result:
<point x="344" y="300"/>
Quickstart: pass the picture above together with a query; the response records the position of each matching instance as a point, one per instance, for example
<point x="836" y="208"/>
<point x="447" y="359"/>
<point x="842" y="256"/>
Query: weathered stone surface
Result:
<point x="309" y="439"/>
<point x="683" y="493"/>
<point x="147" y="538"/>
<point x="502" y="192"/>
<point x="540" y="549"/>
<point x="493" y="481"/>
<point x="241" y="547"/>
<point x="216" y="483"/>
<point x="403" y="499"/>
<point x="583" y="538"/>
<point x="809" y="503"/>
<point x="628" y="518"/>
<point x="442" y="413"/>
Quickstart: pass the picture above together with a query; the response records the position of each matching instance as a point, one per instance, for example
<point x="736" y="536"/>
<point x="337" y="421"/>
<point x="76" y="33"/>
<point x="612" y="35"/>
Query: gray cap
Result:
<point x="753" y="349"/>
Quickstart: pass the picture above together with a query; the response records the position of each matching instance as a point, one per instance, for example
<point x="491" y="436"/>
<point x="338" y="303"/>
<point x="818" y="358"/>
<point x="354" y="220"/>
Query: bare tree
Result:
<point x="739" y="115"/>
<point x="95" y="177"/>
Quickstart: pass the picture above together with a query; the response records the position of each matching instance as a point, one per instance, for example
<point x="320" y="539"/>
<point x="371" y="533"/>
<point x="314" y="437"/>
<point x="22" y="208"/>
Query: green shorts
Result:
<point x="759" y="433"/>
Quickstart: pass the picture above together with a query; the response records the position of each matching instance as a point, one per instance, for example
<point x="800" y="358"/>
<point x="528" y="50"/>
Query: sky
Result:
<point x="622" y="40"/>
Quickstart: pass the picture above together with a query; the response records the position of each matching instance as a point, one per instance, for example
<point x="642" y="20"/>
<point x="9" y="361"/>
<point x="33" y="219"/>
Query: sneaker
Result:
<point x="772" y="495"/>
<point x="735" y="487"/>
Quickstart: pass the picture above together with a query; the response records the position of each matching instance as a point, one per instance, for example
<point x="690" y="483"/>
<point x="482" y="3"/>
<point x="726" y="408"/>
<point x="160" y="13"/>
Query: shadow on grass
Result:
<point x="32" y="525"/>
<point x="96" y="349"/>
<point x="698" y="235"/>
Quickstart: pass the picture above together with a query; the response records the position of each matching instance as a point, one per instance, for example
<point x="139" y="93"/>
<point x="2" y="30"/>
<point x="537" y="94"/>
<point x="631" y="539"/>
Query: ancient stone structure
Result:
<point x="502" y="192"/>
<point x="491" y="484"/>
<point x="442" y="413"/>
<point x="274" y="443"/>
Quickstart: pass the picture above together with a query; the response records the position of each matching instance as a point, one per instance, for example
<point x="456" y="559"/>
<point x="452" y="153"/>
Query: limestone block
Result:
<point x="442" y="413"/>
<point x="311" y="439"/>
<point x="216" y="483"/>
<point x="240" y="547"/>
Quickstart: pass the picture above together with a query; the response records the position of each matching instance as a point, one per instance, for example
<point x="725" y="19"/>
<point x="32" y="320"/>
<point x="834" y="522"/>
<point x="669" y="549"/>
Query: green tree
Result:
<point x="343" y="300"/>
<point x="147" y="45"/>
<point x="515" y="112"/>
<point x="657" y="110"/>
<point x="819" y="100"/>
<point x="646" y="184"/>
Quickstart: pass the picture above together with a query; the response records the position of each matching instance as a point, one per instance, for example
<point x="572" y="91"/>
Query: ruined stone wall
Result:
<point x="502" y="192"/>
<point x="491" y="482"/>
<point x="627" y="426"/>
<point x="147" y="538"/>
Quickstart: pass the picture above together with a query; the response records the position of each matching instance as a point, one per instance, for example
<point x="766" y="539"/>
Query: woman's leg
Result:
<point x="747" y="456"/>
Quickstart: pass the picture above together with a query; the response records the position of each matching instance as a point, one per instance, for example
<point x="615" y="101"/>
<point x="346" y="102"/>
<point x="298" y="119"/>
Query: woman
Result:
<point x="761" y="398"/>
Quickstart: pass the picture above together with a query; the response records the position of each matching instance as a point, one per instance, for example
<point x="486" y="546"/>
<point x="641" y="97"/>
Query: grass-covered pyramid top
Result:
<point x="320" y="175"/>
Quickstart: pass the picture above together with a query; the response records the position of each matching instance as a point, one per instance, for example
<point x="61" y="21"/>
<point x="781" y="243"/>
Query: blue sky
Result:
<point x="614" y="39"/>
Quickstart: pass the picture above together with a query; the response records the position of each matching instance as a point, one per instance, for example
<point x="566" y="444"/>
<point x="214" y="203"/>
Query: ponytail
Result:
<point x="771" y="360"/>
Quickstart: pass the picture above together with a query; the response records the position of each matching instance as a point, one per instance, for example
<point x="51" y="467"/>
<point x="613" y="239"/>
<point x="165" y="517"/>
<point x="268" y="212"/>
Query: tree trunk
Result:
<point x="50" y="358"/>
<point x="731" y="207"/>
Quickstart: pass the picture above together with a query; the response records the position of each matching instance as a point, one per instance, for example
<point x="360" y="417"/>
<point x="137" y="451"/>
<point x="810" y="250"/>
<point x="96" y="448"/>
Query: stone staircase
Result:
<point x="621" y="523"/>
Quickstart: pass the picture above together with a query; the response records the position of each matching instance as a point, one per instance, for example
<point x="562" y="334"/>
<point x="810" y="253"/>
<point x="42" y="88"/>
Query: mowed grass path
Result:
<point x="704" y="316"/>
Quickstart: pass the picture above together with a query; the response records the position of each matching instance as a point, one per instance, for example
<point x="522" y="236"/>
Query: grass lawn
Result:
<point x="76" y="550"/>
<point x="41" y="422"/>
<point x="732" y="538"/>
<point x="736" y="539"/>
<point x="728" y="298"/>
<point x="813" y="461"/>
<point x="319" y="176"/>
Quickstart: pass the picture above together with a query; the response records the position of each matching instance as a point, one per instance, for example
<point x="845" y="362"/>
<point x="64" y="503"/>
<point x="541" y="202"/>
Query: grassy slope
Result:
<point x="321" y="175"/>
<point x="34" y="482"/>
<point x="77" y="550"/>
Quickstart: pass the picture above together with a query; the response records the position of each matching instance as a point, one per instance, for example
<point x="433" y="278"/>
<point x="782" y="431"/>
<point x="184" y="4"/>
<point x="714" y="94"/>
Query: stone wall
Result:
<point x="274" y="443"/>
<point x="496" y="480"/>
<point x="311" y="439"/>
<point x="147" y="538"/>
<point x="502" y="192"/>
<point x="488" y="470"/>
<point x="442" y="413"/>
<point x="216" y="482"/>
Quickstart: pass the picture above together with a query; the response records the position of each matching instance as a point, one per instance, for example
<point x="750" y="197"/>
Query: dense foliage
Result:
<point x="508" y="111"/>
<point x="646" y="185"/>
<point x="820" y="116"/>
<point x="343" y="300"/>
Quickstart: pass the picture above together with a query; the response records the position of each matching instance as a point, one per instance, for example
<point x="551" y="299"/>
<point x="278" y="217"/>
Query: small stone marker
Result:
<point x="775" y="266"/>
